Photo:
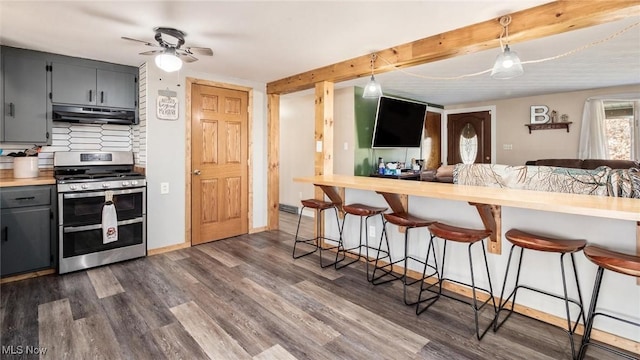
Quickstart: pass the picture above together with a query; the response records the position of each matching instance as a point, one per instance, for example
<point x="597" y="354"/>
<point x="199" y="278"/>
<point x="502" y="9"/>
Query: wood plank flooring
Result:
<point x="243" y="298"/>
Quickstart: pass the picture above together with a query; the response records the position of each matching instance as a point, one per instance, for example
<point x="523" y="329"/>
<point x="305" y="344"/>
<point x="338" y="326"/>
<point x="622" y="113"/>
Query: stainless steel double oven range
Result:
<point x="84" y="181"/>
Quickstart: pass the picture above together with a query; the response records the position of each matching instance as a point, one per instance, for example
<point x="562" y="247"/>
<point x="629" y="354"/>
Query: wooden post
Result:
<point x="273" y="159"/>
<point x="323" y="158"/>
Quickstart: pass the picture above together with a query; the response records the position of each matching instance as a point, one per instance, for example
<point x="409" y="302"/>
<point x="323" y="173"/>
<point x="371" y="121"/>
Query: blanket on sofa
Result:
<point x="602" y="181"/>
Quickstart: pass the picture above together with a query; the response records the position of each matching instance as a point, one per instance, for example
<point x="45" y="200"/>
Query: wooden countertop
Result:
<point x="589" y="205"/>
<point x="45" y="178"/>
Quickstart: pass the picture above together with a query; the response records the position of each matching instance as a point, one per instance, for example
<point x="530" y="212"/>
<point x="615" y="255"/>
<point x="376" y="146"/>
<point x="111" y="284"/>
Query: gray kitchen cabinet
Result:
<point x="24" y="113"/>
<point x="27" y="229"/>
<point x="87" y="85"/>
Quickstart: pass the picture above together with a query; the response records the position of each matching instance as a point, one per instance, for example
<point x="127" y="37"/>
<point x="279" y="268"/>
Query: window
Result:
<point x="619" y="129"/>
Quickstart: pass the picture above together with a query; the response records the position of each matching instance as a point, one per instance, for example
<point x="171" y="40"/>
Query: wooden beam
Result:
<point x="273" y="159"/>
<point x="541" y="21"/>
<point x="323" y="158"/>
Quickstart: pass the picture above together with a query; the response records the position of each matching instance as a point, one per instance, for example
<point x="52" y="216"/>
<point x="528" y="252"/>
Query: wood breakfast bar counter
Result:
<point x="608" y="221"/>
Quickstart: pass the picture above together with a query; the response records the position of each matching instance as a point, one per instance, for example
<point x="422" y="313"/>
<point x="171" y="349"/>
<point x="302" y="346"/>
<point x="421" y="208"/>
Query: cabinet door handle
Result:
<point x="12" y="110"/>
<point x="5" y="234"/>
<point x="26" y="198"/>
<point x="101" y="97"/>
<point x="90" y="95"/>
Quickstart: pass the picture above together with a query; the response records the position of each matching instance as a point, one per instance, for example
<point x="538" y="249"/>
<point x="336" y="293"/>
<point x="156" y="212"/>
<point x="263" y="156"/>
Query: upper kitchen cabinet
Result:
<point x="24" y="93"/>
<point x="87" y="84"/>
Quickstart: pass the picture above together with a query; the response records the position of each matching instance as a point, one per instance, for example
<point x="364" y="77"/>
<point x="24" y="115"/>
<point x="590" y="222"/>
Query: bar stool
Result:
<point x="319" y="206"/>
<point x="621" y="263"/>
<point x="410" y="222"/>
<point x="364" y="212"/>
<point x="524" y="240"/>
<point x="466" y="236"/>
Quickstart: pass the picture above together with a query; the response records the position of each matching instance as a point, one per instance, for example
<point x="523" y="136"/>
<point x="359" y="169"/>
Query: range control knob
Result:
<point x="105" y="185"/>
<point x="125" y="183"/>
<point x="84" y="186"/>
<point x="73" y="186"/>
<point x="134" y="182"/>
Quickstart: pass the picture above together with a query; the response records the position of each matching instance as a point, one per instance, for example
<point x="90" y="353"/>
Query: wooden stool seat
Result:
<point x="407" y="220"/>
<point x="317" y="204"/>
<point x="625" y="264"/>
<point x="543" y="243"/>
<point x="615" y="261"/>
<point x="317" y="242"/>
<point x="363" y="210"/>
<point x="522" y="240"/>
<point x="458" y="234"/>
<point x="469" y="237"/>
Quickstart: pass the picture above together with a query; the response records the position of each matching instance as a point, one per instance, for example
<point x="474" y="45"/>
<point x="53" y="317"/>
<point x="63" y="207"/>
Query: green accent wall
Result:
<point x="365" y="117"/>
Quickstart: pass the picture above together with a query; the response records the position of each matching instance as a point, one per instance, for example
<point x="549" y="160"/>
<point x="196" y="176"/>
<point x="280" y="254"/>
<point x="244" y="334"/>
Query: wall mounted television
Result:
<point x="399" y="123"/>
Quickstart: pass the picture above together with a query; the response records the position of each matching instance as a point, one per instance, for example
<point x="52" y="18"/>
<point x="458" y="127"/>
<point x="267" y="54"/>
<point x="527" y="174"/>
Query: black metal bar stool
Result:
<point x="467" y="236"/>
<point x="615" y="261"/>
<point x="410" y="222"/>
<point x="524" y="240"/>
<point x="319" y="206"/>
<point x="364" y="212"/>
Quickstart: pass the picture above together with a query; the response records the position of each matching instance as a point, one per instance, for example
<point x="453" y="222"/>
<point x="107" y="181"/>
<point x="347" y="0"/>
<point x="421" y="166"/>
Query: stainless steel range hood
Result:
<point x="93" y="115"/>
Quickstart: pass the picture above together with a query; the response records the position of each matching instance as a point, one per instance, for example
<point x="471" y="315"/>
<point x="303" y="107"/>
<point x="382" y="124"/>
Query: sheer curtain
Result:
<point x="593" y="138"/>
<point x="593" y="135"/>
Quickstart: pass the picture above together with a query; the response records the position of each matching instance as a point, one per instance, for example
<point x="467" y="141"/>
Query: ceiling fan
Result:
<point x="171" y="52"/>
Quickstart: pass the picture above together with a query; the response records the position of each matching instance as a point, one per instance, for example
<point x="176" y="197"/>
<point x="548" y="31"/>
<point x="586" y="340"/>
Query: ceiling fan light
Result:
<point x="507" y="65"/>
<point x="372" y="90"/>
<point x="168" y="62"/>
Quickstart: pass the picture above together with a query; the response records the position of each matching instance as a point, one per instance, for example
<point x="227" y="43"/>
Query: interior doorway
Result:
<point x="469" y="137"/>
<point x="218" y="172"/>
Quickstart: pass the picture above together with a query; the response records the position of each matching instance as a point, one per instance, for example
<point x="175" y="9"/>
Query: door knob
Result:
<point x="196" y="172"/>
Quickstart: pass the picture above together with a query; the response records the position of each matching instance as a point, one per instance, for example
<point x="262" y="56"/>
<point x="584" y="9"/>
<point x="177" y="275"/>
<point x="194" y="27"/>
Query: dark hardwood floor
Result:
<point x="245" y="297"/>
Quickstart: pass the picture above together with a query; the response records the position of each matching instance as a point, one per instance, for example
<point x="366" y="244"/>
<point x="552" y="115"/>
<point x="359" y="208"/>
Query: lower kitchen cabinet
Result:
<point x="27" y="229"/>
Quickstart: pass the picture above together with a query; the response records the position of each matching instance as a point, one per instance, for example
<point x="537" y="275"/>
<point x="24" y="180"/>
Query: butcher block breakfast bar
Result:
<point x="609" y="222"/>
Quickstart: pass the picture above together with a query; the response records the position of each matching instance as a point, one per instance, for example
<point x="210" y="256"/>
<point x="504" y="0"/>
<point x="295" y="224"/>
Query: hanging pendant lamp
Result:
<point x="373" y="90"/>
<point x="508" y="64"/>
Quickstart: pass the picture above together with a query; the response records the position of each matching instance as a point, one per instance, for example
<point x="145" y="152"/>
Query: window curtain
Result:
<point x="593" y="135"/>
<point x="593" y="140"/>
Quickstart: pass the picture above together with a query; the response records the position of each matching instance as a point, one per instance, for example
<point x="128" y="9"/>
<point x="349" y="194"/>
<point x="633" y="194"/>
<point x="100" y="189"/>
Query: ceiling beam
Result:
<point x="549" y="19"/>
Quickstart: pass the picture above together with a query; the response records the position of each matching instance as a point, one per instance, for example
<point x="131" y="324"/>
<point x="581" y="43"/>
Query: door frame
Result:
<point x="444" y="144"/>
<point x="188" y="83"/>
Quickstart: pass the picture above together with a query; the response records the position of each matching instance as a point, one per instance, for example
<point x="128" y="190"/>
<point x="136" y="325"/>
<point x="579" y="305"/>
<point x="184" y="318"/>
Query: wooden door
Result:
<point x="219" y="153"/>
<point x="472" y="131"/>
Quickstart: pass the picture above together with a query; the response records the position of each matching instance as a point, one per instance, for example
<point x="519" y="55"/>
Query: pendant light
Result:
<point x="168" y="61"/>
<point x="507" y="65"/>
<point x="373" y="90"/>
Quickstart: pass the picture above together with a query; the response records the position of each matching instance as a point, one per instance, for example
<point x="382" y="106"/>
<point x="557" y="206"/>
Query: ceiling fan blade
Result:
<point x="136" y="40"/>
<point x="152" y="52"/>
<point x="188" y="58"/>
<point x="199" y="50"/>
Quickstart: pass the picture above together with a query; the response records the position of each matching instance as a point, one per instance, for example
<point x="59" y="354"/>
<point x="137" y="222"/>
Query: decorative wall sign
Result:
<point x="167" y="105"/>
<point x="540" y="114"/>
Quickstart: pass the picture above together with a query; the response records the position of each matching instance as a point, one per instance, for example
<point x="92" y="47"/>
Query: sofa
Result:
<point x="588" y="164"/>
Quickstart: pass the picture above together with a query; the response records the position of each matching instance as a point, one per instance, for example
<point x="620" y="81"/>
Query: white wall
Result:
<point x="166" y="146"/>
<point x="297" y="142"/>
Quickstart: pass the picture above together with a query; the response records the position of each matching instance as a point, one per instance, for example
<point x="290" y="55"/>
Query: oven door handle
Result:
<point x="72" y="229"/>
<point x="101" y="193"/>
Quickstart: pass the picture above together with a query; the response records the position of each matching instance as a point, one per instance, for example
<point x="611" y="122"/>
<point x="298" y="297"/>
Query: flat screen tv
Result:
<point x="399" y="123"/>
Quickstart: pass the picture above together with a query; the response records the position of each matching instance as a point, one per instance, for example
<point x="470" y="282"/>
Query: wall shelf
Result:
<point x="547" y="126"/>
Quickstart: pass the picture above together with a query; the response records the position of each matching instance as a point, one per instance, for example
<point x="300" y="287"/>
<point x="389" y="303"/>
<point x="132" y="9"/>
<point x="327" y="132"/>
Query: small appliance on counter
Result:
<point x="25" y="167"/>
